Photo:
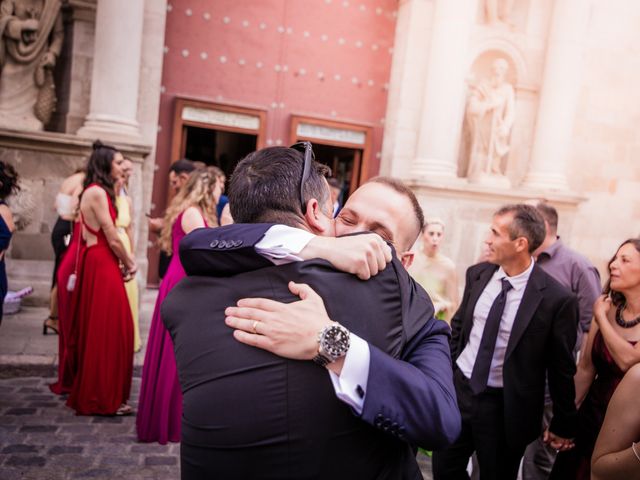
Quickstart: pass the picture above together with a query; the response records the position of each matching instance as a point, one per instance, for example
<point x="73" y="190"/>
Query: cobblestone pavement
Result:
<point x="40" y="438"/>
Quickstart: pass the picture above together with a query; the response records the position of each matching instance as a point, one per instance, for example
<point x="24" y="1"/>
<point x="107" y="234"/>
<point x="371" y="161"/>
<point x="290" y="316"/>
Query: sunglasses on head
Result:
<point x="309" y="157"/>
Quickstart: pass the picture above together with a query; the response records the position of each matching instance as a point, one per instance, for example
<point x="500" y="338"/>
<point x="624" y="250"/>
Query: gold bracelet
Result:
<point x="633" y="447"/>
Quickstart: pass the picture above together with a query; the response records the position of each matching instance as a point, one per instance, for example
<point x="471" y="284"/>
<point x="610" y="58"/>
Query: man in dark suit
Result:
<point x="515" y="324"/>
<point x="251" y="414"/>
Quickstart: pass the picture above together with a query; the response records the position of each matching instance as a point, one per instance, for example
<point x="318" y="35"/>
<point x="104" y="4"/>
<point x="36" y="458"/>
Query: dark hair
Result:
<point x="527" y="222"/>
<point x="402" y="189"/>
<point x="550" y="214"/>
<point x="182" y="166"/>
<point x="334" y="183"/>
<point x="8" y="180"/>
<point x="99" y="168"/>
<point x="265" y="187"/>
<point x="618" y="298"/>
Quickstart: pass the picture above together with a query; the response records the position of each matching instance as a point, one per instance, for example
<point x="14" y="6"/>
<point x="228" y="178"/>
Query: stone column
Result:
<point x="559" y="96"/>
<point x="116" y="72"/>
<point x="406" y="85"/>
<point x="443" y="102"/>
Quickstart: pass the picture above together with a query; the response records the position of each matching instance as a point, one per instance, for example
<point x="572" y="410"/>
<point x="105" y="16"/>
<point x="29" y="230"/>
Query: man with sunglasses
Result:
<point x="237" y="396"/>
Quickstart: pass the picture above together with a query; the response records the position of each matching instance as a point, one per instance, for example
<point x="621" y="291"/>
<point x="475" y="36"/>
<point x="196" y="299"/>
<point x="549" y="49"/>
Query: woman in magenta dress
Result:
<point x="612" y="348"/>
<point x="160" y="405"/>
<point x="104" y="336"/>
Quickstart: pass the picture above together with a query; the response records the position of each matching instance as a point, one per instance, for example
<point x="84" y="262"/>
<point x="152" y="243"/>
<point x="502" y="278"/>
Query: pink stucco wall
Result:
<point x="323" y="58"/>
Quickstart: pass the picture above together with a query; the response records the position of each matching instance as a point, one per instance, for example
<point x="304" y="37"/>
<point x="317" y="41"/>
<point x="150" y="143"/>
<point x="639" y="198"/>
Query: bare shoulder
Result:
<point x="191" y="219"/>
<point x="448" y="264"/>
<point x="192" y="213"/>
<point x="93" y="197"/>
<point x="72" y="183"/>
<point x="633" y="375"/>
<point x="94" y="192"/>
<point x="7" y="216"/>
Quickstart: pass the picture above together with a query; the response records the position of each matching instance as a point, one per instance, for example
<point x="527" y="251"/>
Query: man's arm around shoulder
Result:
<point x="224" y="250"/>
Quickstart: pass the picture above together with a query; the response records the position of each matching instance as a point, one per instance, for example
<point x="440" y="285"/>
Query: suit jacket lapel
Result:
<point x="528" y="306"/>
<point x="479" y="284"/>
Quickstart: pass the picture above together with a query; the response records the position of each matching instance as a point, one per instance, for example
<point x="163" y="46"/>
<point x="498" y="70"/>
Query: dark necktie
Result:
<point x="481" y="367"/>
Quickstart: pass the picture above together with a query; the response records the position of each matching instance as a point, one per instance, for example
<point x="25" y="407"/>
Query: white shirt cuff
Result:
<point x="281" y="244"/>
<point x="351" y="385"/>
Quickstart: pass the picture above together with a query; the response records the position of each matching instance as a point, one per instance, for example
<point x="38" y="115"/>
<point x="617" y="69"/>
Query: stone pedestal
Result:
<point x="44" y="160"/>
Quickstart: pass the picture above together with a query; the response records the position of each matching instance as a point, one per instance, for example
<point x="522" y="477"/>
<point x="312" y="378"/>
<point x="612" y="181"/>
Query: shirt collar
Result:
<point x="519" y="281"/>
<point x="552" y="249"/>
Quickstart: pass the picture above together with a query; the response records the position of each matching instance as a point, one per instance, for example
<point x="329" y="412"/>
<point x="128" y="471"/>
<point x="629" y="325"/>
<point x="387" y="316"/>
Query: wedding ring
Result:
<point x="255" y="330"/>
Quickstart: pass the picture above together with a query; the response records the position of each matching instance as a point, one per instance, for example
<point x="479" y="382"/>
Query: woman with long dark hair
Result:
<point x="104" y="338"/>
<point x="612" y="348"/>
<point x="8" y="186"/>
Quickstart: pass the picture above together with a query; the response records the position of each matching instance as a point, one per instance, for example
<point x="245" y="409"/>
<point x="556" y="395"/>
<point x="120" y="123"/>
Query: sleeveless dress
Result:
<point x="426" y="272"/>
<point x="5" y="239"/>
<point x="160" y="404"/>
<point x="105" y="331"/>
<point x="576" y="463"/>
<point x="67" y="326"/>
<point x="122" y="222"/>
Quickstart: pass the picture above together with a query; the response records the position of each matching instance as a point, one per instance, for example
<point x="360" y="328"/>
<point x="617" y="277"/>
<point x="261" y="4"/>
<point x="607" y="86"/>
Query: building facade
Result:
<point x="475" y="103"/>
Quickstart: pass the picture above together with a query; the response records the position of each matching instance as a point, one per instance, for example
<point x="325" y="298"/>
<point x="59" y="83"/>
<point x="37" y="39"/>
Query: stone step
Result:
<point x="34" y="273"/>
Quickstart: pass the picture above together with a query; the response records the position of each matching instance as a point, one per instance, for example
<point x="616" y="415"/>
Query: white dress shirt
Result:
<point x="281" y="245"/>
<point x="467" y="358"/>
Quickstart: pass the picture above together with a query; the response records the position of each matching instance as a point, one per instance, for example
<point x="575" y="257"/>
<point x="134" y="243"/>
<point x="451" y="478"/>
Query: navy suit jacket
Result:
<point x="410" y="398"/>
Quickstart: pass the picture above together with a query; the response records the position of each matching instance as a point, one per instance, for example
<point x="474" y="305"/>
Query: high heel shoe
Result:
<point x="124" y="410"/>
<point x="50" y="323"/>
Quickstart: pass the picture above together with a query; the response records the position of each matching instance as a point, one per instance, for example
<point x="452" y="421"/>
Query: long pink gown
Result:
<point x="160" y="404"/>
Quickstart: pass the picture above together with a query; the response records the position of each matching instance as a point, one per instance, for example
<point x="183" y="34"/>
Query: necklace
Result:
<point x="622" y="322"/>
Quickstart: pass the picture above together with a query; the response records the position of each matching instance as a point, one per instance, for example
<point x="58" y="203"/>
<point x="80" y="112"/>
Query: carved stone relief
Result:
<point x="489" y="117"/>
<point x="31" y="35"/>
<point x="498" y="11"/>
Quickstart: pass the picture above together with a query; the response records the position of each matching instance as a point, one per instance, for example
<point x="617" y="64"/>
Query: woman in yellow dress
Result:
<point x="436" y="272"/>
<point x="125" y="232"/>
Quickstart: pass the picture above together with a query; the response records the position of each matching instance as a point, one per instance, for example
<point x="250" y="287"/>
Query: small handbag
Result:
<point x="71" y="281"/>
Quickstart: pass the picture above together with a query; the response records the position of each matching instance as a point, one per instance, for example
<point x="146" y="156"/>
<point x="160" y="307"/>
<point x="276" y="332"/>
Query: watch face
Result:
<point x="336" y="341"/>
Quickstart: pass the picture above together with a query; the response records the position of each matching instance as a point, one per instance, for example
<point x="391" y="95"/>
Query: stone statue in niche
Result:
<point x="31" y="35"/>
<point x="489" y="116"/>
<point x="498" y="11"/>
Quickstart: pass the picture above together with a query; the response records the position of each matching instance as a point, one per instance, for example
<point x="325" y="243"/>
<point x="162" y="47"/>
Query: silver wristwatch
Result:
<point x="333" y="343"/>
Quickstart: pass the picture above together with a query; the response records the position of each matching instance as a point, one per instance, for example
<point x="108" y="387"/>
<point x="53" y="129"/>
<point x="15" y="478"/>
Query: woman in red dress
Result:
<point x="612" y="347"/>
<point x="104" y="336"/>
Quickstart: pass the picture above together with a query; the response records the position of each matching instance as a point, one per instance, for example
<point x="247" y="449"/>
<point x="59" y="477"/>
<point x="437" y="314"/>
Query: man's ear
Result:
<point x="314" y="217"/>
<point x="406" y="258"/>
<point x="522" y="244"/>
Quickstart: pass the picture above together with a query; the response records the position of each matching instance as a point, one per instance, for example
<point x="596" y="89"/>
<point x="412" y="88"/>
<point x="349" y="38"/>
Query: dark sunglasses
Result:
<point x="309" y="157"/>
